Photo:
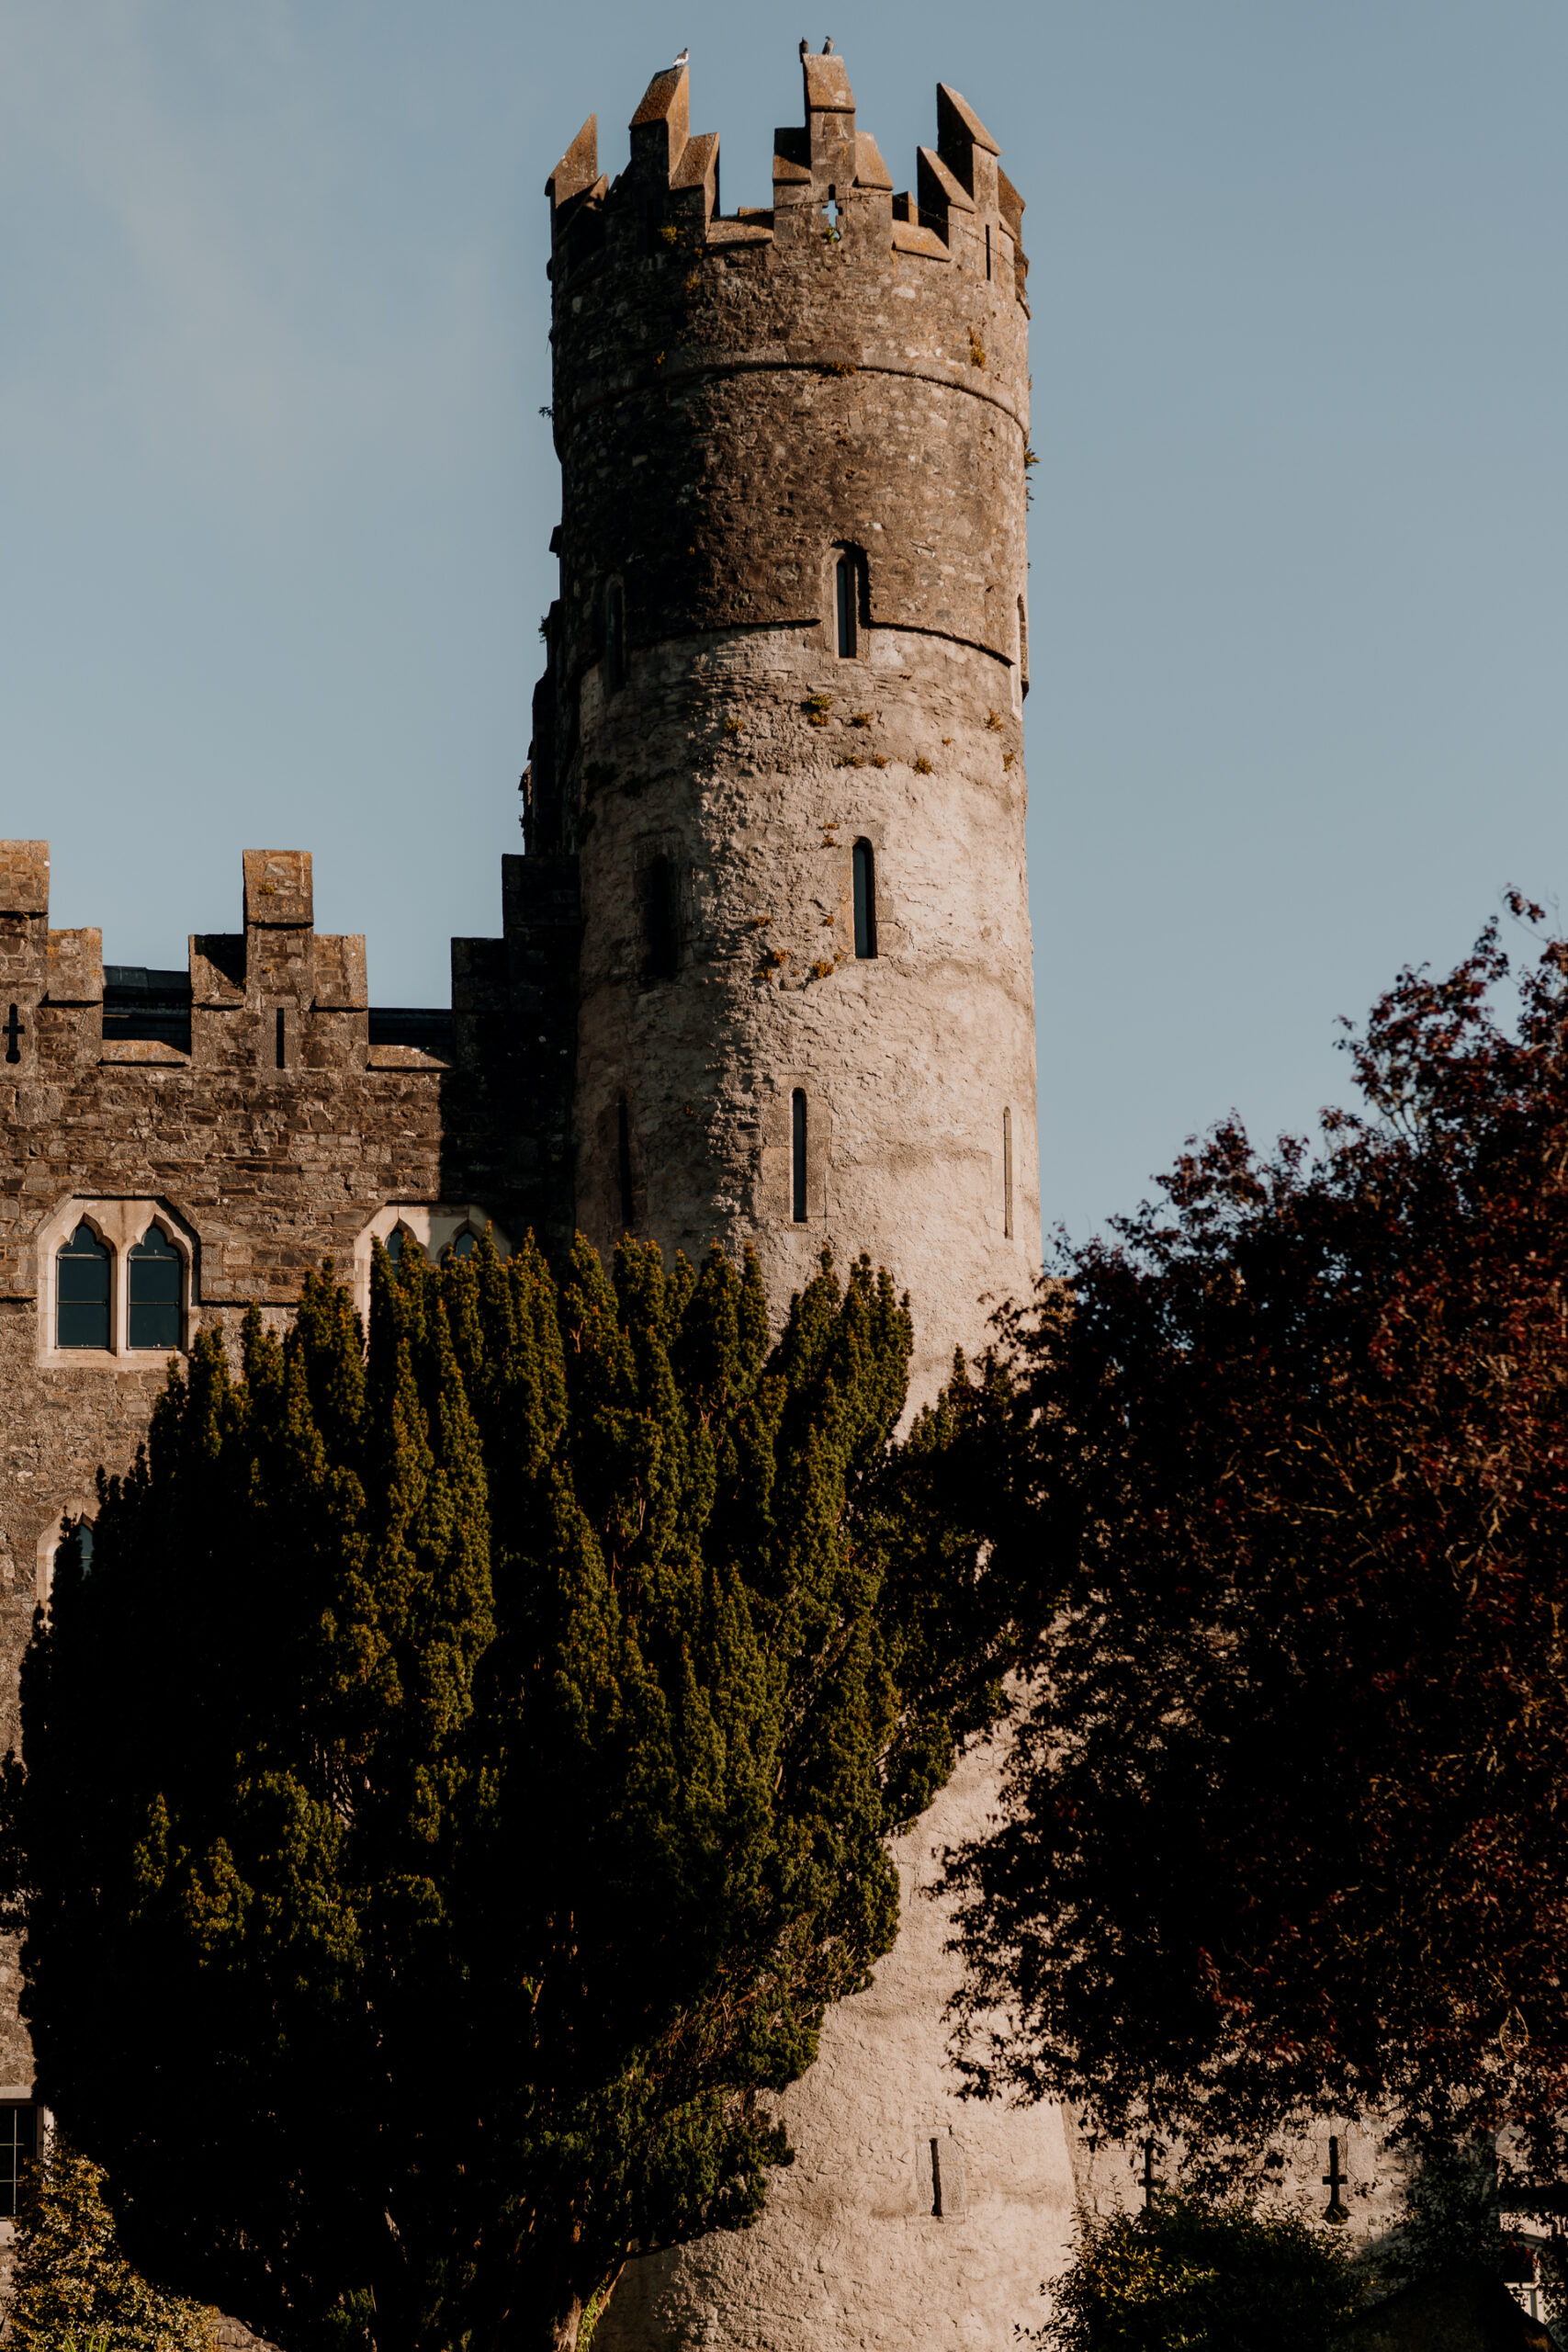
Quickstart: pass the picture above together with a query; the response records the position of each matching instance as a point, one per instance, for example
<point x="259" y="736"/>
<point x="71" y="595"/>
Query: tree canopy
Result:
<point x="1187" y="2275"/>
<point x="460" y="1781"/>
<point x="1289" y="1820"/>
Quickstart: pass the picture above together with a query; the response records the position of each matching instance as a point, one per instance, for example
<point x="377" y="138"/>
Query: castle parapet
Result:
<point x="740" y="401"/>
<point x="965" y="210"/>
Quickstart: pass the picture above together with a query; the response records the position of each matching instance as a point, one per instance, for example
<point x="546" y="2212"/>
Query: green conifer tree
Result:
<point x="462" y="1781"/>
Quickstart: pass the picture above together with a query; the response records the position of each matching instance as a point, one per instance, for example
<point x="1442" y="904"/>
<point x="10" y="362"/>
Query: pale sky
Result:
<point x="276" y="498"/>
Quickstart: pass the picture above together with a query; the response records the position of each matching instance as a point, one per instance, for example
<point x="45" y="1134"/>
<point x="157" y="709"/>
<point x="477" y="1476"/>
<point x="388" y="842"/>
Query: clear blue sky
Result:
<point x="275" y="495"/>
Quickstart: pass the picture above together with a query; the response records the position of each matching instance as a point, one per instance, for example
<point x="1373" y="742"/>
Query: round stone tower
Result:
<point x="781" y="730"/>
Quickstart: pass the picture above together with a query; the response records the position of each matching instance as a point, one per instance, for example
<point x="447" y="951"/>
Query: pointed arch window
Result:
<point x="156" y="1271"/>
<point x="82" y="1291"/>
<point x="863" y="861"/>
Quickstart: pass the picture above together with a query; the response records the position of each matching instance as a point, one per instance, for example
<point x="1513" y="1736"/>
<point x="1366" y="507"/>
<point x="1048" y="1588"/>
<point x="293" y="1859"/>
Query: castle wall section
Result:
<point x="263" y="1116"/>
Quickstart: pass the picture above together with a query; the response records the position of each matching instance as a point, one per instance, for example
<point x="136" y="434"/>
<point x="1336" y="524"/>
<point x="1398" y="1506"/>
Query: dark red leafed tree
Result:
<point x="1290" y="1815"/>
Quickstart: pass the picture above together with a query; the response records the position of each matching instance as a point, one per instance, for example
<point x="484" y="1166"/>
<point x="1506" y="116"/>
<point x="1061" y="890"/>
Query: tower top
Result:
<point x="963" y="209"/>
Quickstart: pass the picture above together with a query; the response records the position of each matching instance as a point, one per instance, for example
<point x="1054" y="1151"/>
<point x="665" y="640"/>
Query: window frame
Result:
<point x="104" y="1255"/>
<point x="21" y="2099"/>
<point x="862" y="899"/>
<point x="849" y="601"/>
<point x="119" y="1226"/>
<point x="135" y="1251"/>
<point x="434" y="1224"/>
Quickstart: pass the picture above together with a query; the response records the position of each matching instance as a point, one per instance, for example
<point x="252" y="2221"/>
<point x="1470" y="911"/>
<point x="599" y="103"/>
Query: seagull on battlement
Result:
<point x="685" y="59"/>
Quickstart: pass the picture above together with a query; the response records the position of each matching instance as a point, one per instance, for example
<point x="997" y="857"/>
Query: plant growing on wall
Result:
<point x="1289" y="1828"/>
<point x="463" y="1779"/>
<point x="71" y="2285"/>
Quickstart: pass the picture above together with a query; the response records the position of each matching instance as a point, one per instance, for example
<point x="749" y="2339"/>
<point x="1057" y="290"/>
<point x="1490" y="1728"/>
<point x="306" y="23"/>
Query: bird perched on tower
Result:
<point x="685" y="59"/>
<point x="827" y="46"/>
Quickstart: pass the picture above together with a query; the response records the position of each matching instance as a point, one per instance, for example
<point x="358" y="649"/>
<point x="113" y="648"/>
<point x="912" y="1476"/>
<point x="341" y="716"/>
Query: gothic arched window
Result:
<point x="82" y="1291"/>
<point x="864" y="864"/>
<point x="156" y="1271"/>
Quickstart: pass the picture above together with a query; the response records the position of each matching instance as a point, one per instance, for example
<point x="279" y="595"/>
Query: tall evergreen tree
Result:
<point x="462" y="1779"/>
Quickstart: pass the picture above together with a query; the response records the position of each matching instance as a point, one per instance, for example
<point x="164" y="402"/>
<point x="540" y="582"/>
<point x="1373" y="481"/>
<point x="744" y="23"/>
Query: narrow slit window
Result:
<point x="153" y="1308"/>
<point x="936" y="2178"/>
<point x="282" y="1039"/>
<point x="1024" y="643"/>
<point x="987" y="249"/>
<point x="865" y="865"/>
<point x="660" y="910"/>
<point x="797" y="1155"/>
<point x="847" y="581"/>
<point x="623" y="1162"/>
<point x="614" y="639"/>
<point x="1007" y="1174"/>
<point x="82" y="1300"/>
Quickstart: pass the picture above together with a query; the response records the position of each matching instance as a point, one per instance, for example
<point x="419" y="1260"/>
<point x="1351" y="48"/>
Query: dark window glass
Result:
<point x="1023" y="644"/>
<point x="659" y="885"/>
<point x="797" y="1155"/>
<point x="614" y="640"/>
<point x="18" y="2144"/>
<point x="154" y="1302"/>
<point x="394" y="1243"/>
<point x="866" y="900"/>
<point x="848" y="599"/>
<point x="81" y="1271"/>
<point x="463" y="1247"/>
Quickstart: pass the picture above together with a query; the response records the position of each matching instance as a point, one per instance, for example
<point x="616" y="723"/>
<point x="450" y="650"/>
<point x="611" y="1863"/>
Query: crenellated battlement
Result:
<point x="963" y="209"/>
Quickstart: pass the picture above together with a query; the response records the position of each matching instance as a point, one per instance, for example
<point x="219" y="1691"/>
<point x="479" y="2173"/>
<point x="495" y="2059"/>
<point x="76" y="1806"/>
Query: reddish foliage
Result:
<point x="1289" y="1828"/>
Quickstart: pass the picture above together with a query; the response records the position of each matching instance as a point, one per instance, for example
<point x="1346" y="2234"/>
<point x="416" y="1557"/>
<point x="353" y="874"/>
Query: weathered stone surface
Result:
<point x="738" y="405"/>
<point x="851" y="2250"/>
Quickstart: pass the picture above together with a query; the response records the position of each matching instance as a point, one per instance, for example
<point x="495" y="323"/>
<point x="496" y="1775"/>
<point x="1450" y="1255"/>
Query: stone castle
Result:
<point x="763" y="975"/>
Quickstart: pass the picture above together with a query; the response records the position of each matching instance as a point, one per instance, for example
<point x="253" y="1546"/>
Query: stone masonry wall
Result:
<point x="740" y="406"/>
<point x="269" y="1142"/>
